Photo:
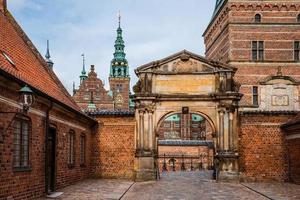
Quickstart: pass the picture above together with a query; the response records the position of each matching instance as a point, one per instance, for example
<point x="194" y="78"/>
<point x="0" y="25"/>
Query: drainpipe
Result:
<point x="46" y="146"/>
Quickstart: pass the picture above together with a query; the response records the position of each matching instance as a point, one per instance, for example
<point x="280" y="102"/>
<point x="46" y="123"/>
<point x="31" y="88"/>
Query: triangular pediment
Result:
<point x="183" y="62"/>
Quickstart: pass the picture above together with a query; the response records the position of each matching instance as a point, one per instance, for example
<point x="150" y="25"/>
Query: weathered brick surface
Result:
<point x="31" y="184"/>
<point x="114" y="147"/>
<point x="294" y="160"/>
<point x="262" y="148"/>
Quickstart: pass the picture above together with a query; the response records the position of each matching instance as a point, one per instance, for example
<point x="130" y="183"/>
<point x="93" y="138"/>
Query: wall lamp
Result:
<point x="26" y="99"/>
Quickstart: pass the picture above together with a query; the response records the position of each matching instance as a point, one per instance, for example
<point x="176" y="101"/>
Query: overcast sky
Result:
<point x="152" y="29"/>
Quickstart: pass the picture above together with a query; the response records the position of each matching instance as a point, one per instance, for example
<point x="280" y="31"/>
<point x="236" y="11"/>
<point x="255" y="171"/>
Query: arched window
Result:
<point x="298" y="18"/>
<point x="257" y="18"/>
<point x="22" y="130"/>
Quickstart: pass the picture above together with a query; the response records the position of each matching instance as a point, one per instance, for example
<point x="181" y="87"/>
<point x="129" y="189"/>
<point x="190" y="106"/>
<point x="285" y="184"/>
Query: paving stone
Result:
<point x="179" y="186"/>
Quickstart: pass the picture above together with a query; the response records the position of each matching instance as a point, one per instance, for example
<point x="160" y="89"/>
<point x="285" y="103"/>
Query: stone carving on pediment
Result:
<point x="190" y="65"/>
<point x="137" y="87"/>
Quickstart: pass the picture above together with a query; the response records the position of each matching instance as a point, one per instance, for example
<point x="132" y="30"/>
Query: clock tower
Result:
<point x="119" y="79"/>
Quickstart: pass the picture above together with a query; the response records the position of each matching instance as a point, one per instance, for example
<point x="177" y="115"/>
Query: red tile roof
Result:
<point x="28" y="65"/>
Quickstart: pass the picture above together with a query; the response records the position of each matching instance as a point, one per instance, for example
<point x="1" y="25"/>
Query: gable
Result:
<point x="183" y="62"/>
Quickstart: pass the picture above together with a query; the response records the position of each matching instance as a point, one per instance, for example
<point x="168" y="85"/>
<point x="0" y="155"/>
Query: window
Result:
<point x="71" y="150"/>
<point x="82" y="149"/>
<point x="257" y="18"/>
<point x="255" y="95"/>
<point x="296" y="50"/>
<point x="298" y="18"/>
<point x="258" y="50"/>
<point x="119" y="87"/>
<point x="21" y="143"/>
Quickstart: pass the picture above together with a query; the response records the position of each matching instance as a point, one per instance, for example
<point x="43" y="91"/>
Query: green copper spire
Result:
<point x="119" y="65"/>
<point x="83" y="75"/>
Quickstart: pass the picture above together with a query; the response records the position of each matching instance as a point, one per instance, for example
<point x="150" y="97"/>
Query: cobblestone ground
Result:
<point x="189" y="186"/>
<point x="179" y="185"/>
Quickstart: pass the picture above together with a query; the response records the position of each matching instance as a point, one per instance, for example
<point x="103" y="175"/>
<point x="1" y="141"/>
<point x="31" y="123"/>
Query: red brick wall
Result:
<point x="228" y="39"/>
<point x="262" y="148"/>
<point x="294" y="160"/>
<point x="114" y="150"/>
<point x="31" y="184"/>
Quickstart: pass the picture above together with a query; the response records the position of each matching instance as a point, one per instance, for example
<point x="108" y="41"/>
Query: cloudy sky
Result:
<point x="152" y="29"/>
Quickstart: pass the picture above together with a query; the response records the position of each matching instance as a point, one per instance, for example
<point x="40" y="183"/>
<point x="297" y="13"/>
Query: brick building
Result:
<point x="92" y="95"/>
<point x="45" y="140"/>
<point x="261" y="39"/>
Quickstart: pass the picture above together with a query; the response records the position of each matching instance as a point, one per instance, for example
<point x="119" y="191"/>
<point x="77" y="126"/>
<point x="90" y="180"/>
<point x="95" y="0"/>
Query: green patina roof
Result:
<point x="176" y="118"/>
<point x="173" y="118"/>
<point x="197" y="118"/>
<point x="119" y="64"/>
<point x="219" y="4"/>
<point x="131" y="103"/>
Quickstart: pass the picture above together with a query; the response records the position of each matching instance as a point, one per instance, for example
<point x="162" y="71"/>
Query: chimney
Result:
<point x="3" y="6"/>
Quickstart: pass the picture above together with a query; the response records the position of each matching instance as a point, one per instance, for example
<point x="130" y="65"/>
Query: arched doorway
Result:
<point x="171" y="96"/>
<point x="186" y="139"/>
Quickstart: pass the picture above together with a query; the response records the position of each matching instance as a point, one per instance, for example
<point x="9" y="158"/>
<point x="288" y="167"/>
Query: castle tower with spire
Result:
<point x="91" y="93"/>
<point x="47" y="57"/>
<point x="83" y="75"/>
<point x="119" y="79"/>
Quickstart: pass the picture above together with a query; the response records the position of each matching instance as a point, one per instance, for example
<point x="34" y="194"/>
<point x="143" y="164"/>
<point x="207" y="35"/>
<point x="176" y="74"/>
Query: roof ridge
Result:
<point x="39" y="57"/>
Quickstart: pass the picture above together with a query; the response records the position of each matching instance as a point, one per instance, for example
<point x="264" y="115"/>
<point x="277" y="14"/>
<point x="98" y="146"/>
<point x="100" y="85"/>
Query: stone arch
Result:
<point x="170" y="113"/>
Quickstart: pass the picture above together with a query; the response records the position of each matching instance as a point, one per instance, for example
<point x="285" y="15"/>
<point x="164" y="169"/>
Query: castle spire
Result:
<point x="83" y="75"/>
<point x="119" y="64"/>
<point x="119" y="16"/>
<point x="47" y="56"/>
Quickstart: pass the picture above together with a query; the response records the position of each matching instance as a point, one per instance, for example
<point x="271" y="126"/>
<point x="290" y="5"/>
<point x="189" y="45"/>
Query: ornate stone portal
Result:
<point x="187" y="83"/>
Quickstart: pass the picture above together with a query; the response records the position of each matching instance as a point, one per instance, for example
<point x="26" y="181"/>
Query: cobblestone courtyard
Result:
<point x="179" y="185"/>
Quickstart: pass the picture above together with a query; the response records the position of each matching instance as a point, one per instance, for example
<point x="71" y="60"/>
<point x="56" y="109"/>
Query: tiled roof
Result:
<point x="263" y="112"/>
<point x="292" y="122"/>
<point x="110" y="112"/>
<point x="28" y="65"/>
<point x="185" y="143"/>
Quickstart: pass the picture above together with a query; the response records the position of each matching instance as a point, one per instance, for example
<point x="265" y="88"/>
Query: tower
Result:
<point x="47" y="56"/>
<point x="258" y="38"/>
<point x="119" y="79"/>
<point x="83" y="75"/>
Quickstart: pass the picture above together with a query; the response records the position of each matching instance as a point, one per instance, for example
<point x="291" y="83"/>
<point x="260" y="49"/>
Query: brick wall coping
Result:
<point x="262" y="112"/>
<point x="110" y="112"/>
<point x="208" y="143"/>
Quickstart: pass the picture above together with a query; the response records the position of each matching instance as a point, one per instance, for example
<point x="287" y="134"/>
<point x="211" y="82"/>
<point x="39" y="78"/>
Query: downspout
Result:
<point x="46" y="146"/>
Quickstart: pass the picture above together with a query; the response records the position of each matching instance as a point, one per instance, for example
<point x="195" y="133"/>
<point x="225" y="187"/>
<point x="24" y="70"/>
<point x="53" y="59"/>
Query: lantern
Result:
<point x="26" y="97"/>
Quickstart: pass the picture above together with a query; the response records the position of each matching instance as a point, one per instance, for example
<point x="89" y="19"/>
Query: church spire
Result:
<point x="47" y="56"/>
<point x="83" y="75"/>
<point x="119" y="64"/>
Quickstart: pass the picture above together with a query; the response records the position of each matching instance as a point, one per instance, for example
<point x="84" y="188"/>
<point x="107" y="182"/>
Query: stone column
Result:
<point x="145" y="157"/>
<point x="221" y="131"/>
<point x="226" y="156"/>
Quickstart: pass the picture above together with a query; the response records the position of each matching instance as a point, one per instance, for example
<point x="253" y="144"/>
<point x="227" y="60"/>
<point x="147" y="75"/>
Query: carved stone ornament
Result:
<point x="137" y="87"/>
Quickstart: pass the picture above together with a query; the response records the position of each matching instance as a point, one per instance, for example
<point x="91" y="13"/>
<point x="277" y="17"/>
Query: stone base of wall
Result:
<point x="114" y="151"/>
<point x="262" y="148"/>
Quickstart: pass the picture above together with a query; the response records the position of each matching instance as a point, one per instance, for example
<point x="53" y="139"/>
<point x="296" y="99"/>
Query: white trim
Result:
<point x="39" y="113"/>
<point x="295" y="136"/>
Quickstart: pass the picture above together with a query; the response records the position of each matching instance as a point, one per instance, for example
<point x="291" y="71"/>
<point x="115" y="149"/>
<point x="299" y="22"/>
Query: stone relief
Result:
<point x="181" y="66"/>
